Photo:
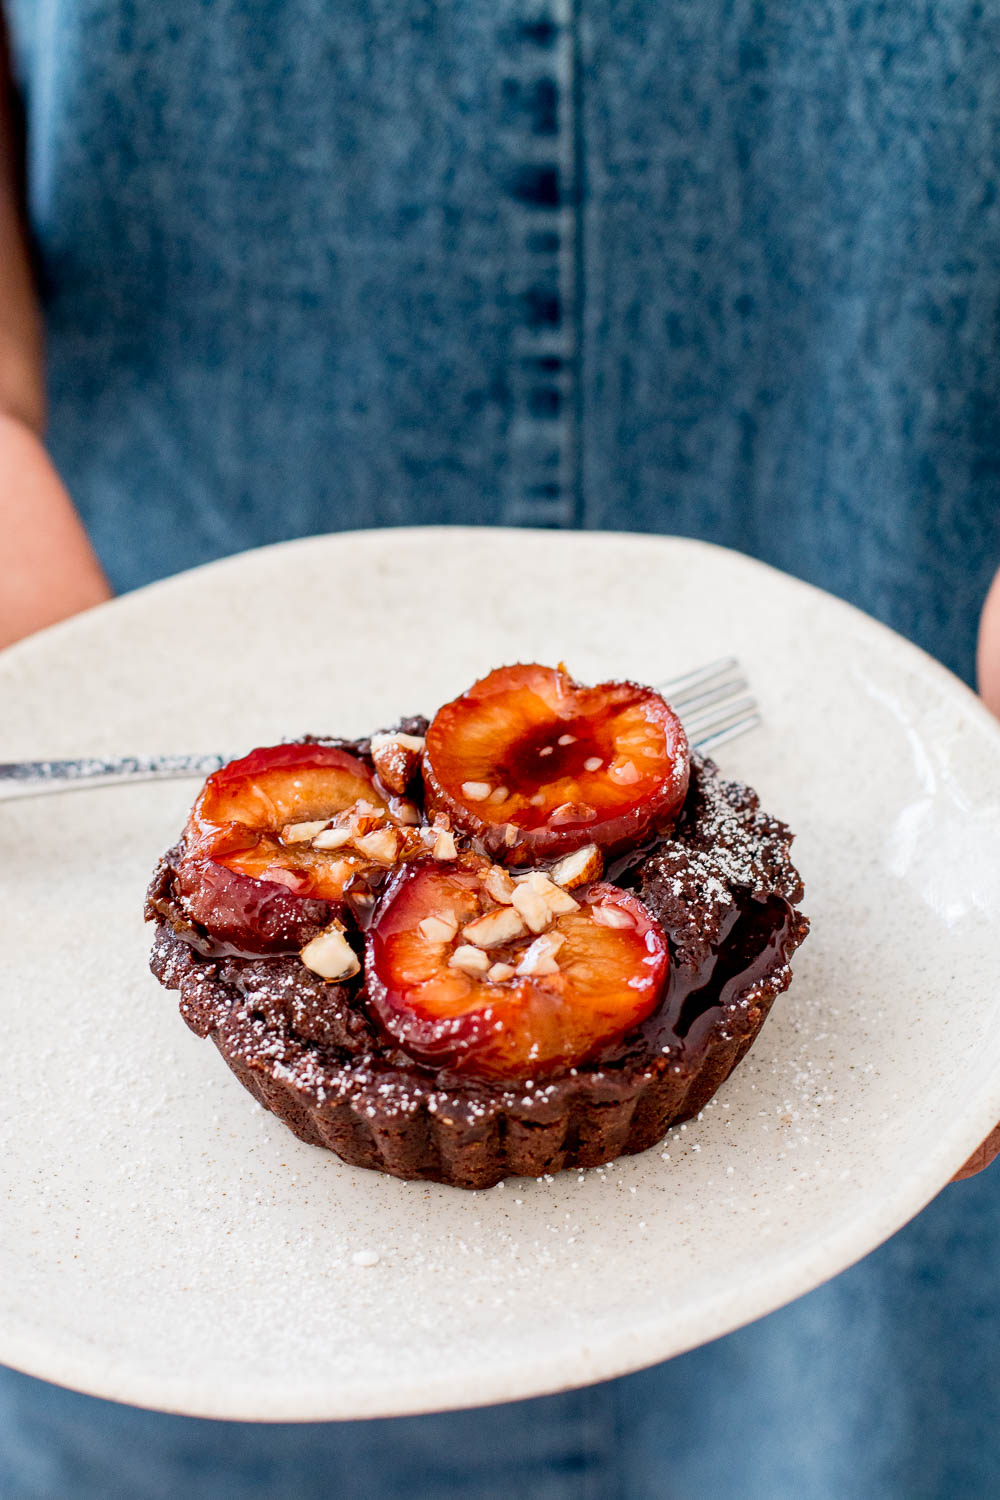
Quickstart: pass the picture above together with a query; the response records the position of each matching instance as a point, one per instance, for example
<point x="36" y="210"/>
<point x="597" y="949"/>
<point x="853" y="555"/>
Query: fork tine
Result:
<point x="729" y="729"/>
<point x="713" y="714"/>
<point x="678" y="688"/>
<point x="714" y="702"/>
<point x="696" y="703"/>
<point x="709" y="704"/>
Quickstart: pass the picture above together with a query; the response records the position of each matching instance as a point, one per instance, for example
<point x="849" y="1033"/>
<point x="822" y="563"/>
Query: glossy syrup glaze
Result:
<point x="539" y="757"/>
<point x="755" y="938"/>
<point x="732" y="926"/>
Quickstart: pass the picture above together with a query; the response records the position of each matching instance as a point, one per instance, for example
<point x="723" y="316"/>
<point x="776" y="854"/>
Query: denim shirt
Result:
<point x="724" y="268"/>
<point x="707" y="267"/>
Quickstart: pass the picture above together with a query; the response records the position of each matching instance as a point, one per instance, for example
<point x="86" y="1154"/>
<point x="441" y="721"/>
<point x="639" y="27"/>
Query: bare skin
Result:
<point x="51" y="570"/>
<point x="988" y="659"/>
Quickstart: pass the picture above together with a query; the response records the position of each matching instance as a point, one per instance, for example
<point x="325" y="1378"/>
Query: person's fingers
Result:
<point x="988" y="672"/>
<point x="988" y="657"/>
<point x="981" y="1157"/>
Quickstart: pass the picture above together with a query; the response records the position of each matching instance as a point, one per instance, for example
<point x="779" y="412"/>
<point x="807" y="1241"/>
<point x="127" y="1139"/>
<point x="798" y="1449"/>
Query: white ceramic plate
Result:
<point x="166" y="1242"/>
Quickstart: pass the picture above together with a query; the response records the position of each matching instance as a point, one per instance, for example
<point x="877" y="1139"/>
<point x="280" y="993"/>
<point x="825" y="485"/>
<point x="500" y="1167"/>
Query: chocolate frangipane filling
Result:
<point x="722" y="887"/>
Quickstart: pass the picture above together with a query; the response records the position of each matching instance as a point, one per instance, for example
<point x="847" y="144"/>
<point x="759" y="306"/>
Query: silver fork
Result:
<point x="713" y="702"/>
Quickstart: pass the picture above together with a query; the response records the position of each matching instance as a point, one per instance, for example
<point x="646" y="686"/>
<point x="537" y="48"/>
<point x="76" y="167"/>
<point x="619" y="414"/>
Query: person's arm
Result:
<point x="48" y="569"/>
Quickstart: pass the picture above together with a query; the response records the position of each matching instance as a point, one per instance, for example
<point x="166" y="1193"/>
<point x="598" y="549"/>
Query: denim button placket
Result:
<point x="538" y="135"/>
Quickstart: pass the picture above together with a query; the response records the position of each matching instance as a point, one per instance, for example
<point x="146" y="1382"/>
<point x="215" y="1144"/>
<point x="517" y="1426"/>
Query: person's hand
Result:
<point x="988" y="657"/>
<point x="988" y="671"/>
<point x="49" y="568"/>
<point x="981" y="1157"/>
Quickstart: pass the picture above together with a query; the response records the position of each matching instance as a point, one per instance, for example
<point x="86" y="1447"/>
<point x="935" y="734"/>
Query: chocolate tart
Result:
<point x="722" y="885"/>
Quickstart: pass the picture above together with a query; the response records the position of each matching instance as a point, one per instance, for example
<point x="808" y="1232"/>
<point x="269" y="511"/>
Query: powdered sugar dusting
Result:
<point x="724" y="849"/>
<point x="163" y="1239"/>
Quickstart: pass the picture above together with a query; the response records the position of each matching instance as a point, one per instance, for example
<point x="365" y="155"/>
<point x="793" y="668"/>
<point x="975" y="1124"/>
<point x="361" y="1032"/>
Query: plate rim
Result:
<point x="811" y="1266"/>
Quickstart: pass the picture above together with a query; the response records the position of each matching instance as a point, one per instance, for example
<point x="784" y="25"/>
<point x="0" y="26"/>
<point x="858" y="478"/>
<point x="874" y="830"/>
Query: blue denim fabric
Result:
<point x="881" y="1385"/>
<point x="707" y="266"/>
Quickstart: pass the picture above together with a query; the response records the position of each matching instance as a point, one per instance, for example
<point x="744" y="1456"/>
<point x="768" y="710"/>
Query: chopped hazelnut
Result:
<point x="610" y="916"/>
<point x="499" y="885"/>
<point x="301" y="833"/>
<point x="438" y="929"/>
<point x="578" y="868"/>
<point x="332" y="838"/>
<point x="540" y="957"/>
<point x="382" y="845"/>
<point x="445" y="846"/>
<point x="532" y="906"/>
<point x="396" y="758"/>
<point x="472" y="960"/>
<point x="502" y="925"/>
<point x="330" y="955"/>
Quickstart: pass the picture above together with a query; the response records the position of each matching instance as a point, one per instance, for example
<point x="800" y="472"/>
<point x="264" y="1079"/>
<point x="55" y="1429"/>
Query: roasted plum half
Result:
<point x="534" y="765"/>
<point x="277" y="840"/>
<point x="505" y="978"/>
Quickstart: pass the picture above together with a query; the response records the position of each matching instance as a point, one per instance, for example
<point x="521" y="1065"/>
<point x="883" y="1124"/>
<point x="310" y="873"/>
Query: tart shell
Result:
<point x="469" y="1138"/>
<point x="309" y="1052"/>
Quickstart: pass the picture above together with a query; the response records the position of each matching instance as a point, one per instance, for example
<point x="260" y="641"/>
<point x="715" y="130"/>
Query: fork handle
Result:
<point x="30" y="778"/>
